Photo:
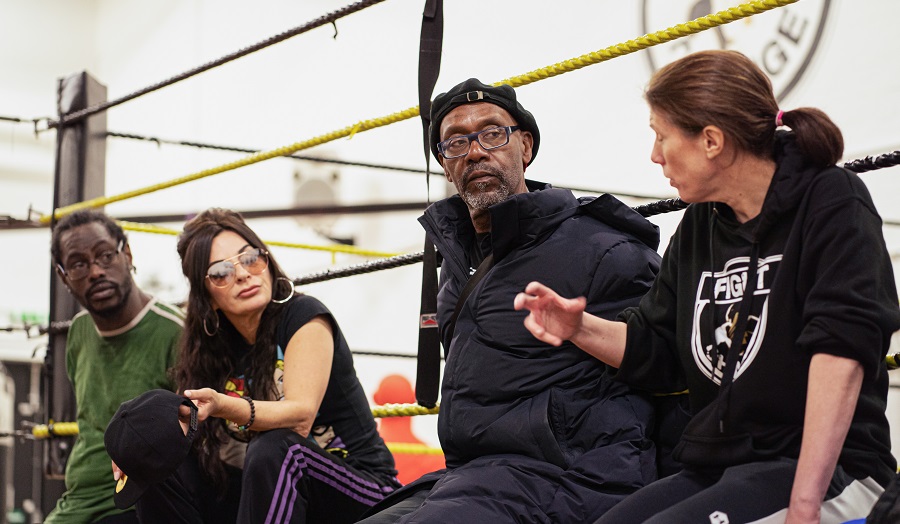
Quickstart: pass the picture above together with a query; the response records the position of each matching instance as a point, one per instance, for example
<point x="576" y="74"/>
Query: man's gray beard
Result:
<point x="479" y="199"/>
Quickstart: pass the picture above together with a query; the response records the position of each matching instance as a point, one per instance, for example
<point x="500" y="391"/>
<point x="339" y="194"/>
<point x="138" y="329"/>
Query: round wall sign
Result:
<point x="781" y="41"/>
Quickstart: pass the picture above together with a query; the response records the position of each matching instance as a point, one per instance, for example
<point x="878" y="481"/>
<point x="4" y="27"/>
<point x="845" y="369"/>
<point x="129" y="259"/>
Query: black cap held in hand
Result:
<point x="145" y="440"/>
<point x="474" y="91"/>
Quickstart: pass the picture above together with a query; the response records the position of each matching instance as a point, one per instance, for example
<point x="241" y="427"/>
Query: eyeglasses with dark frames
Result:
<point x="80" y="269"/>
<point x="222" y="272"/>
<point x="490" y="138"/>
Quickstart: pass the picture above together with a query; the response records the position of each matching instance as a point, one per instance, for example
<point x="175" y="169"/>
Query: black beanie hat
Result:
<point x="472" y="91"/>
<point x="146" y="441"/>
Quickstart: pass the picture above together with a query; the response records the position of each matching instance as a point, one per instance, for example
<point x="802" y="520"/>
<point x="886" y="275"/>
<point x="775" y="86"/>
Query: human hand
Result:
<point x="207" y="402"/>
<point x="117" y="473"/>
<point x="552" y="318"/>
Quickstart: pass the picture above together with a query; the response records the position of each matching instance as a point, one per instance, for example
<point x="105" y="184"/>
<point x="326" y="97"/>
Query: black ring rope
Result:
<point x="217" y="147"/>
<point x="203" y="145"/>
<point x="35" y="122"/>
<point x="16" y="119"/>
<point x="663" y="206"/>
<point x="862" y="165"/>
<point x="25" y="327"/>
<point x="868" y="163"/>
<point x="360" y="269"/>
<point x="871" y="163"/>
<point x="655" y="208"/>
<point x="62" y="327"/>
<point x="322" y="20"/>
<point x="647" y="210"/>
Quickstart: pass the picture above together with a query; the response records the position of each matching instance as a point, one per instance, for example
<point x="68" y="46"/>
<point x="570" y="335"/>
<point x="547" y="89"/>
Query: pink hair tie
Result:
<point x="778" y="122"/>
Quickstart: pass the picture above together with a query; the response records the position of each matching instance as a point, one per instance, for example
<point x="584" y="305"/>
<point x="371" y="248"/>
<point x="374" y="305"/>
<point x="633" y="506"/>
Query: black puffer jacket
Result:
<point x="505" y="392"/>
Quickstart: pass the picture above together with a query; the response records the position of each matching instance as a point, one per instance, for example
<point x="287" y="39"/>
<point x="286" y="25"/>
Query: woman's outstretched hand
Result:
<point x="552" y="318"/>
<point x="206" y="400"/>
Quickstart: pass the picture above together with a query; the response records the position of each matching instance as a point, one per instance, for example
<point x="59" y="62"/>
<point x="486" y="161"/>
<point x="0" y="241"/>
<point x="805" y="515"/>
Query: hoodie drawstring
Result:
<point x="736" y="350"/>
<point x="712" y="281"/>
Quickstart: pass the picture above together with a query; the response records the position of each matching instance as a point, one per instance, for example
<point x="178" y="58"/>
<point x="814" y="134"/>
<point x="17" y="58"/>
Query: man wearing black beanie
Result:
<point x="530" y="432"/>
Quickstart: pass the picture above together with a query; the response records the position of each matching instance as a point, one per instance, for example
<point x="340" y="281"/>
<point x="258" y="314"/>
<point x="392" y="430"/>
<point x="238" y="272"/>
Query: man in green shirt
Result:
<point x="123" y="344"/>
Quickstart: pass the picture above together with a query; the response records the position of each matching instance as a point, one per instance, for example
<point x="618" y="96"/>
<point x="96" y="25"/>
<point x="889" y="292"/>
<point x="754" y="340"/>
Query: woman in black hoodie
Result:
<point x="774" y="307"/>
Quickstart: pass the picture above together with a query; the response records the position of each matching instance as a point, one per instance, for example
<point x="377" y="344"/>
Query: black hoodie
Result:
<point x="824" y="284"/>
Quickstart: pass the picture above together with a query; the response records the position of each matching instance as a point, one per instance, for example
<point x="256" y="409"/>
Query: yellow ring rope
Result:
<point x="66" y="429"/>
<point x="246" y="161"/>
<point x="149" y="228"/>
<point x="403" y="410"/>
<point x="666" y="35"/>
<point x="58" y="429"/>
<point x="649" y="40"/>
<point x="410" y="448"/>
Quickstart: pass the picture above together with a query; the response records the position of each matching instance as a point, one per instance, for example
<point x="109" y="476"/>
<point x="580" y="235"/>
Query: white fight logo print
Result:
<point x="728" y="287"/>
<point x="718" y="517"/>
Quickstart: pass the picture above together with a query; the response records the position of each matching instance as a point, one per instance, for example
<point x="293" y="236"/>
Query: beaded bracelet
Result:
<point x="249" y="423"/>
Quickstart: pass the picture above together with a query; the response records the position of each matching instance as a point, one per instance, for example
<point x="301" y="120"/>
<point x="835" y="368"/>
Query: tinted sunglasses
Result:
<point x="222" y="273"/>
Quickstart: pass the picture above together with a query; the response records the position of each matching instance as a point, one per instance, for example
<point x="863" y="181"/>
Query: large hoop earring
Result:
<point x="216" y="329"/>
<point x="290" y="294"/>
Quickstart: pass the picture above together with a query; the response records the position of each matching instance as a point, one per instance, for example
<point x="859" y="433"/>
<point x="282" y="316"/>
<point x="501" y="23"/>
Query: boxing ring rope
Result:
<point x="70" y="429"/>
<point x="329" y="18"/>
<point x="659" y="37"/>
<point x="409" y="448"/>
<point x="150" y="228"/>
<point x="66" y="429"/>
<point x="201" y="145"/>
<point x="646" y="210"/>
<point x="403" y="410"/>
<point x="862" y="165"/>
<point x="869" y="163"/>
<point x="392" y="410"/>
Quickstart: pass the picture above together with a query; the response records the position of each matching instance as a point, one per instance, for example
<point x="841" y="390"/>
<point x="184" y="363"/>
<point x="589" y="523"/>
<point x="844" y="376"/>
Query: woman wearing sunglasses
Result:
<point x="286" y="432"/>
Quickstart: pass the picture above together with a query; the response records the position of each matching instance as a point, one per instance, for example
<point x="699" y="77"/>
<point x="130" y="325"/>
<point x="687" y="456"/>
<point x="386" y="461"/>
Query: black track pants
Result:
<point x="286" y="479"/>
<point x="757" y="493"/>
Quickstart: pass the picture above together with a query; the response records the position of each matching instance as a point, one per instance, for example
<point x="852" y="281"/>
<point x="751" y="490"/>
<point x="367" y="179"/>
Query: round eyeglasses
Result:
<point x="490" y="138"/>
<point x="80" y="269"/>
<point x="222" y="272"/>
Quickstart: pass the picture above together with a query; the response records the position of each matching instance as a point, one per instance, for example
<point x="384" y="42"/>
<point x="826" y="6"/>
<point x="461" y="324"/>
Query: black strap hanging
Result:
<point x="430" y="44"/>
<point x="428" y="365"/>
